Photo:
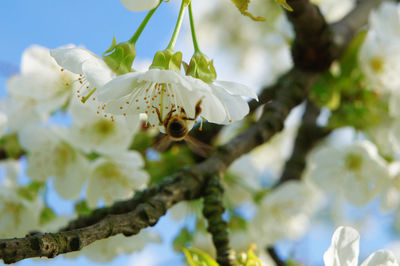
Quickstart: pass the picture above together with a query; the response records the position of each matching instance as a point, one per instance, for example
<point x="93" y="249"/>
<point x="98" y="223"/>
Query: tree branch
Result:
<point x="307" y="136"/>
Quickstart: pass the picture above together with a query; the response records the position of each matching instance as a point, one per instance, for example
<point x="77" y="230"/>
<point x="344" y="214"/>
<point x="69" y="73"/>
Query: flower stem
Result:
<point x="171" y="44"/>
<point x="193" y="30"/>
<point x="142" y="25"/>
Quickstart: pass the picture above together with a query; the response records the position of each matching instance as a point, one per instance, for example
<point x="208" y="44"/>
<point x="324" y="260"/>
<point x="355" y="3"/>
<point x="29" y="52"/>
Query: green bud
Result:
<point x="167" y="60"/>
<point x="200" y="67"/>
<point x="120" y="56"/>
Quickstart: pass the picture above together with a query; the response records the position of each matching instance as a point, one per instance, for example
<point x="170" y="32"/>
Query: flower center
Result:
<point x="353" y="162"/>
<point x="377" y="64"/>
<point x="84" y="91"/>
<point x="104" y="127"/>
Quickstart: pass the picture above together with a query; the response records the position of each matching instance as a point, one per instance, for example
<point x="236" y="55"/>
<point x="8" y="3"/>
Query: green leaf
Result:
<point x="81" y="208"/>
<point x="30" y="192"/>
<point x="243" y="5"/>
<point x="285" y="5"/>
<point x="196" y="257"/>
<point x="47" y="215"/>
<point x="183" y="239"/>
<point x="248" y="258"/>
<point x="252" y="259"/>
<point x="10" y="145"/>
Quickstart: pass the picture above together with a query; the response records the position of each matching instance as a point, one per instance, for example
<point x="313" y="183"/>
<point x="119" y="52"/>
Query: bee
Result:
<point x="176" y="129"/>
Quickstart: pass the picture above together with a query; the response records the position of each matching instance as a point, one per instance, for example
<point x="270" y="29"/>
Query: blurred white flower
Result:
<point x="140" y="5"/>
<point x="356" y="171"/>
<point x="116" y="177"/>
<point x="284" y="213"/>
<point x="49" y="155"/>
<point x="380" y="54"/>
<point x="91" y="132"/>
<point x="41" y="81"/>
<point x="135" y="93"/>
<point x="18" y="215"/>
<point x="334" y="10"/>
<point x="20" y="113"/>
<point x="344" y="250"/>
<point x="3" y="123"/>
<point x="107" y="249"/>
<point x="12" y="169"/>
<point x="390" y="196"/>
<point x="93" y="71"/>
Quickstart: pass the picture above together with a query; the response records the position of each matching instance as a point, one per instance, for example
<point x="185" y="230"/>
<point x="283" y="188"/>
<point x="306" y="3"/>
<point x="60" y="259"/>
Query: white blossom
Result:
<point x="12" y="169"/>
<point x="20" y="113"/>
<point x="284" y="213"/>
<point x="356" y="171"/>
<point x="18" y="215"/>
<point x="334" y="10"/>
<point x="116" y="177"/>
<point x="94" y="131"/>
<point x="49" y="155"/>
<point x="93" y="71"/>
<point x="165" y="90"/>
<point x="41" y="81"/>
<point x="344" y="250"/>
<point x="380" y="54"/>
<point x="140" y="5"/>
<point x="107" y="249"/>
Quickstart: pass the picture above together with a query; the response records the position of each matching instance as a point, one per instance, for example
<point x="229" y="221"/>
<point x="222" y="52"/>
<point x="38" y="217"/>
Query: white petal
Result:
<point x="118" y="87"/>
<point x="97" y="72"/>
<point x="3" y="123"/>
<point x="140" y="5"/>
<point x="235" y="88"/>
<point x="37" y="59"/>
<point x="72" y="58"/>
<point x="381" y="258"/>
<point x="343" y="250"/>
<point x="235" y="106"/>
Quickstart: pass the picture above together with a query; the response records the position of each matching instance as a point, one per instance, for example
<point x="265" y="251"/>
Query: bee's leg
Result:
<point x="197" y="111"/>
<point x="159" y="115"/>
<point x="168" y="117"/>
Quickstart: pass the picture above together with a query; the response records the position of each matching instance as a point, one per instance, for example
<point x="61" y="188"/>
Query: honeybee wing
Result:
<point x="163" y="144"/>
<point x="200" y="148"/>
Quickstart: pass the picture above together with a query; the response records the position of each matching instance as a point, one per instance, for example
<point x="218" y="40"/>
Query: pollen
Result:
<point x="166" y="107"/>
<point x="145" y="98"/>
<point x="124" y="114"/>
<point x="230" y="121"/>
<point x="121" y="107"/>
<point x="98" y="112"/>
<point x="78" y="91"/>
<point x="146" y="112"/>
<point x="138" y="107"/>
<point x="172" y="95"/>
<point x="137" y="100"/>
<point x="105" y="115"/>
<point x="66" y="84"/>
<point x="127" y="102"/>
<point x="148" y="106"/>
<point x="152" y="112"/>
<point x="62" y="69"/>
